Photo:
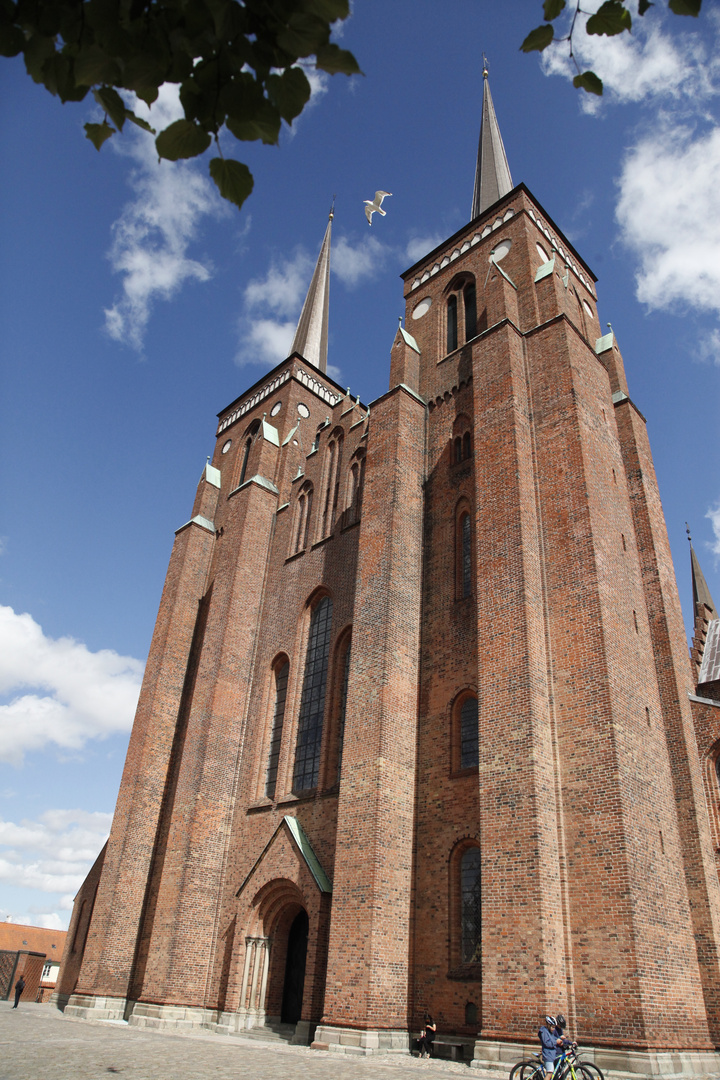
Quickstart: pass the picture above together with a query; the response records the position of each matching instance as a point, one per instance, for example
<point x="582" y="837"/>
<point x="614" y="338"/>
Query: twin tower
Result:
<point x="419" y="732"/>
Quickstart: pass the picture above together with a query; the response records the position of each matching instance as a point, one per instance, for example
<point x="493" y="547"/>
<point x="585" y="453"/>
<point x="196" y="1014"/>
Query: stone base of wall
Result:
<point x="172" y="1017"/>
<point x="89" y="1007"/>
<point x="59" y="1000"/>
<point x="615" y="1064"/>
<point x="352" y="1041"/>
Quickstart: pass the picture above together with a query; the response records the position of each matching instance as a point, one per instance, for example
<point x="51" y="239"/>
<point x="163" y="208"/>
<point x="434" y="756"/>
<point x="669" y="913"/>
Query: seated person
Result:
<point x="427" y="1036"/>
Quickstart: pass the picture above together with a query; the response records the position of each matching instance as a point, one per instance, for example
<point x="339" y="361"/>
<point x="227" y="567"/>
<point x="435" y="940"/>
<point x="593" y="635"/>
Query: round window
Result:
<point x="422" y="308"/>
<point x="500" y="250"/>
<point x="303" y="410"/>
<point x="276" y="408"/>
<point x="226" y="446"/>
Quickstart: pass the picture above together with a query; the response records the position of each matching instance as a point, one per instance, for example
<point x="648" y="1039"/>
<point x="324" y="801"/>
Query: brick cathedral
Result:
<point x="419" y="732"/>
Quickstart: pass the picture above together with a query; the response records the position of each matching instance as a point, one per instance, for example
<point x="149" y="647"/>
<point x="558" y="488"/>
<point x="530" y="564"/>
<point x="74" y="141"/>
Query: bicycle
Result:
<point x="568" y="1066"/>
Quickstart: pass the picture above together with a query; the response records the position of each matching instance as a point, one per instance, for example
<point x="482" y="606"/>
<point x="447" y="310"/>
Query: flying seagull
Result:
<point x="374" y="206"/>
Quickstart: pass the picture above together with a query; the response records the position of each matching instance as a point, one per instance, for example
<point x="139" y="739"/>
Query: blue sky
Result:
<point x="135" y="305"/>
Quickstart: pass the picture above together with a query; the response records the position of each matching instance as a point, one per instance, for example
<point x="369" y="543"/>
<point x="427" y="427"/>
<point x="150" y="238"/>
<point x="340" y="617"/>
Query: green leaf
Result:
<point x="12" y="40"/>
<point x="98" y="133"/>
<point x="611" y="18"/>
<point x="289" y="92"/>
<point x="233" y="179"/>
<point x="329" y="10"/>
<point x="685" y="7"/>
<point x="182" y="139"/>
<point x="336" y="61"/>
<point x="643" y="6"/>
<point x="139" y="121"/>
<point x="37" y="50"/>
<point x="552" y="8"/>
<point x="112" y="103"/>
<point x="143" y="73"/>
<point x="93" y="66"/>
<point x="148" y="94"/>
<point x="263" y="123"/>
<point x="303" y="34"/>
<point x="590" y="82"/>
<point x="538" y="39"/>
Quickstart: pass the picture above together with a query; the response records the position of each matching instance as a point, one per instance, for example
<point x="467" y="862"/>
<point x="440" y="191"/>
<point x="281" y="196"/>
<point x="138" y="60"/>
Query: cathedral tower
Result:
<point x="419" y="732"/>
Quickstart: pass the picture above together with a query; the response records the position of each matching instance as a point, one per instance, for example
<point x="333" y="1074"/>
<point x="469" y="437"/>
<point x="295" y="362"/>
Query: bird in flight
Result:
<point x="374" y="206"/>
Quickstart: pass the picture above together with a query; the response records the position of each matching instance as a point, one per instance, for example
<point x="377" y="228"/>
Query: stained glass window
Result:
<point x="470" y="906"/>
<point x="281" y="681"/>
<point x="469" y="733"/>
<point x="312" y="701"/>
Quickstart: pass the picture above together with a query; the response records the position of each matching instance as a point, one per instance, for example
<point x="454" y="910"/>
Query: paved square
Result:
<point x="38" y="1043"/>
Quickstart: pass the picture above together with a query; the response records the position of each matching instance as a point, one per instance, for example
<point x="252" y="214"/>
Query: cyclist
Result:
<point x="550" y="1043"/>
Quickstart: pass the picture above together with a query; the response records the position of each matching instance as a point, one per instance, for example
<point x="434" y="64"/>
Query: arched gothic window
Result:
<point x="468" y="733"/>
<point x="464" y="556"/>
<point x="452" y="323"/>
<point x="467" y="446"/>
<point x="458" y="449"/>
<point x="470" y="907"/>
<point x="281" y="681"/>
<point x="246" y="455"/>
<point x="470" y="311"/>
<point x="312" y="701"/>
<point x="302" y="517"/>
<point x="332" y="484"/>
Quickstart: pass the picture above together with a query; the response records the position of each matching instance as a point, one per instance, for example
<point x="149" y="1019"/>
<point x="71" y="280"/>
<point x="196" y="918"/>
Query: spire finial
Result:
<point x="485" y="66"/>
<point x="331" y="215"/>
<point x="687" y="530"/>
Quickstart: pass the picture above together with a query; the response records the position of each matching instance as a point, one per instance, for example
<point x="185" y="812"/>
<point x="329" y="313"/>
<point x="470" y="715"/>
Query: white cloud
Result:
<point x="714" y="515"/>
<point x="422" y="245"/>
<point x="669" y="215"/>
<point x="72" y="694"/>
<point x="283" y="288"/>
<point x="152" y="236"/>
<point x="649" y="63"/>
<point x="51" y="854"/>
<point x="264" y="339"/>
<point x="709" y="347"/>
<point x="356" y="262"/>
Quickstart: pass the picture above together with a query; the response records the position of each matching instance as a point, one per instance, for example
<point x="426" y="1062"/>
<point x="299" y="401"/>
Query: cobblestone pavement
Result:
<point x="38" y="1043"/>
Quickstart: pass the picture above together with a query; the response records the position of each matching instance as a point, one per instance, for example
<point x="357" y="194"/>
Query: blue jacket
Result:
<point x="548" y="1042"/>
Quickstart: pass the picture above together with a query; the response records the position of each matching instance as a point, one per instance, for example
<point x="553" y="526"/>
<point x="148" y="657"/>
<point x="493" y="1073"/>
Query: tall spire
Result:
<point x="311" y="336"/>
<point x="492" y="174"/>
<point x="701" y="592"/>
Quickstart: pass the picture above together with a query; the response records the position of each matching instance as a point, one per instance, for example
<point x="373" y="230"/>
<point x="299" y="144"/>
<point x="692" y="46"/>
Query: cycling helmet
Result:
<point x="560" y="1021"/>
<point x="551" y="1021"/>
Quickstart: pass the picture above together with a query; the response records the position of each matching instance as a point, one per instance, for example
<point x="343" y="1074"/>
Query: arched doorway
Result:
<point x="295" y="969"/>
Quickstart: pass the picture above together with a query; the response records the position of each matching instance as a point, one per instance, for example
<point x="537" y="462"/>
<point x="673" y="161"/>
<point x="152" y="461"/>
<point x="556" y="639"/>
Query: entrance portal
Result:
<point x="295" y="969"/>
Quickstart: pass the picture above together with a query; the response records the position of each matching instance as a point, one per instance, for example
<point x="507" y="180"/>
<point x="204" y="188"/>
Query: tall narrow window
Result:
<point x="469" y="749"/>
<point x="343" y="706"/>
<point x="353" y="486"/>
<point x="458" y="449"/>
<point x="466" y="556"/>
<point x="281" y="681"/>
<point x="246" y="455"/>
<point x="329" y="490"/>
<point x="470" y="911"/>
<point x="470" y="311"/>
<point x="452" y="324"/>
<point x="467" y="445"/>
<point x="312" y="701"/>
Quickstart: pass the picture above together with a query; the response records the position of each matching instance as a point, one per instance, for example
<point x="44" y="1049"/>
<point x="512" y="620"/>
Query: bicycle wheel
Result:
<point x="527" y="1070"/>
<point x="591" y="1071"/>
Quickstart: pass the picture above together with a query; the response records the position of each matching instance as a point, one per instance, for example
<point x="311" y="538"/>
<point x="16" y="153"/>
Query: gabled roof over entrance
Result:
<point x="292" y="826"/>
